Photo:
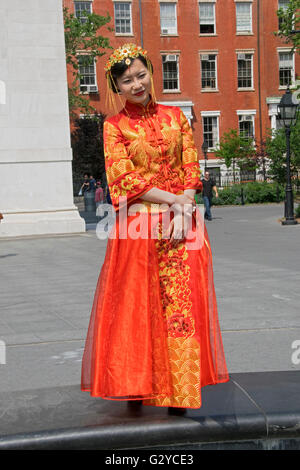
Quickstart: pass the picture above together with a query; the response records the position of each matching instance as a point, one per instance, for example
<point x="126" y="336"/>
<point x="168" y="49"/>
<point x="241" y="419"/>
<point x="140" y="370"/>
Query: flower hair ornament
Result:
<point x="123" y="53"/>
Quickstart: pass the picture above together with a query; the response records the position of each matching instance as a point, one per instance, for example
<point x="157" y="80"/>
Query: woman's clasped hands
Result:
<point x="179" y="225"/>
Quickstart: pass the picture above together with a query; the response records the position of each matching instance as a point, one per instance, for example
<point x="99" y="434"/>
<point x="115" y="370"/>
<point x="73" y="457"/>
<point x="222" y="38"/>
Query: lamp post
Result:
<point x="204" y="150"/>
<point x="287" y="112"/>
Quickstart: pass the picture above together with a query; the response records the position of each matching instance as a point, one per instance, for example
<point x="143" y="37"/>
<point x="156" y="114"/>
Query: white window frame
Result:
<point x="249" y="113"/>
<point x="176" y="54"/>
<point x="91" y="88"/>
<point x="282" y="50"/>
<point x="202" y="55"/>
<point x="212" y="114"/>
<point x="83" y="18"/>
<point x="171" y="32"/>
<point x="212" y="3"/>
<point x="239" y="54"/>
<point x="115" y="18"/>
<point x="243" y="32"/>
<point x="273" y="102"/>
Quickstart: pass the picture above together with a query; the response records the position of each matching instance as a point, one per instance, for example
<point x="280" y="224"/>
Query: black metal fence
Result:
<point x="235" y="177"/>
<point x="230" y="178"/>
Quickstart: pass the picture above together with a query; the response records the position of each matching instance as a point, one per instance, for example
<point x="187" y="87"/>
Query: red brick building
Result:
<point x="219" y="60"/>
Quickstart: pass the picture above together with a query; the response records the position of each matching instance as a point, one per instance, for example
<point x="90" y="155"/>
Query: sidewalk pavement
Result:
<point x="47" y="287"/>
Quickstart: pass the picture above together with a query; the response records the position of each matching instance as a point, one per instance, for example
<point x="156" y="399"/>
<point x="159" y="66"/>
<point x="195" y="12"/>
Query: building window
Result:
<point x="170" y="72"/>
<point x="282" y="4"/>
<point x="243" y="17"/>
<point x="246" y="126"/>
<point x="286" y="68"/>
<point x="82" y="9"/>
<point x="168" y="18"/>
<point x="87" y="71"/>
<point x="209" y="71"/>
<point x="245" y="70"/>
<point x="123" y="23"/>
<point x="211" y="131"/>
<point x="207" y="18"/>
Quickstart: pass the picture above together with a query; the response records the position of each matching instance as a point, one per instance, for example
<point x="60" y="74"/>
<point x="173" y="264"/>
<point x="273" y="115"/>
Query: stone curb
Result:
<point x="256" y="408"/>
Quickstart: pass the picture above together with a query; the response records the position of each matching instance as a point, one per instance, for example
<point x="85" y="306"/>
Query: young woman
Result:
<point x="154" y="334"/>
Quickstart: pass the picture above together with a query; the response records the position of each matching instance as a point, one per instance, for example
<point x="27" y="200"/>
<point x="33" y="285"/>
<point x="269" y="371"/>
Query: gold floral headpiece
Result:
<point x="127" y="52"/>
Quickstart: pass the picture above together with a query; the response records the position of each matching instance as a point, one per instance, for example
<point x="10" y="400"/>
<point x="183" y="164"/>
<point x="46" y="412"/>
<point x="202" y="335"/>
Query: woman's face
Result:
<point x="135" y="83"/>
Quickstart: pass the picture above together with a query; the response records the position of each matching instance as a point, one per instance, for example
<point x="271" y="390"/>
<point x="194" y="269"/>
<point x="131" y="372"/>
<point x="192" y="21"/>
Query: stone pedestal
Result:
<point x="36" y="194"/>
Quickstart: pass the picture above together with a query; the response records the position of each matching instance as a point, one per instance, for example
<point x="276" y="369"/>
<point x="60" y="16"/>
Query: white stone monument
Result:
<point x="36" y="194"/>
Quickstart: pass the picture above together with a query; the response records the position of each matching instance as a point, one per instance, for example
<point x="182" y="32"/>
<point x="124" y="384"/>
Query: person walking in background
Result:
<point x="92" y="183"/>
<point x="99" y="195"/>
<point x="85" y="185"/>
<point x="208" y="186"/>
<point x="88" y="190"/>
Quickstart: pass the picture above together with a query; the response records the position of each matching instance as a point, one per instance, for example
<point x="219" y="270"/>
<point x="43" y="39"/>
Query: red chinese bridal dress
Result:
<point x="154" y="333"/>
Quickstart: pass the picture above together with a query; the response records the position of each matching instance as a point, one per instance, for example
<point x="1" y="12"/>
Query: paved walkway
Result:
<point x="47" y="287"/>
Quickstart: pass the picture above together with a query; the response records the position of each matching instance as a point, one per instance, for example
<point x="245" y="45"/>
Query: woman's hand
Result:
<point x="177" y="202"/>
<point x="183" y="199"/>
<point x="183" y="207"/>
<point x="184" y="203"/>
<point x="178" y="228"/>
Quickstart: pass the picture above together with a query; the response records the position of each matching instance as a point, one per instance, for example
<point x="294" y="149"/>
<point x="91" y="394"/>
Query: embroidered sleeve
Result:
<point x="190" y="162"/>
<point x="123" y="179"/>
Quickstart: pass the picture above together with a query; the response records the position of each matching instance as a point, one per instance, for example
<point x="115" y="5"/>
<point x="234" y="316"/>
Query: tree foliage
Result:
<point x="237" y="151"/>
<point x="261" y="157"/>
<point x="82" y="37"/>
<point x="289" y="30"/>
<point x="276" y="150"/>
<point x="290" y="24"/>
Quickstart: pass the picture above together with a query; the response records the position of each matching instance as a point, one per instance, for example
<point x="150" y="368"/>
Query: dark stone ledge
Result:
<point x="253" y="408"/>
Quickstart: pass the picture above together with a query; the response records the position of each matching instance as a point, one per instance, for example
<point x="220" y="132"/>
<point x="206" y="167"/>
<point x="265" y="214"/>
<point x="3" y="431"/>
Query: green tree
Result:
<point x="276" y="150"/>
<point x="261" y="157"/>
<point x="236" y="151"/>
<point x="289" y="28"/>
<point x="82" y="36"/>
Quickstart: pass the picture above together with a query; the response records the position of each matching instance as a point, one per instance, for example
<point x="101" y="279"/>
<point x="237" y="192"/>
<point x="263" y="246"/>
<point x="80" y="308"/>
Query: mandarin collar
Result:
<point x="140" y="109"/>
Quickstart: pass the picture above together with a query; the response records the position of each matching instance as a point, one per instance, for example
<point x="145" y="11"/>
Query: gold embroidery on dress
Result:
<point x="183" y="348"/>
<point x="174" y="275"/>
<point x="184" y="356"/>
<point x="157" y="149"/>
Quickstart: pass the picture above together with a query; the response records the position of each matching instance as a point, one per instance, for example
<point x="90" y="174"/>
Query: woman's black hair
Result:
<point x="119" y="68"/>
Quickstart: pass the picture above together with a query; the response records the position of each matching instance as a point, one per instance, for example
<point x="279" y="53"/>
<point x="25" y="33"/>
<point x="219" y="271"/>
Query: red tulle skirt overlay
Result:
<point x="154" y="333"/>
